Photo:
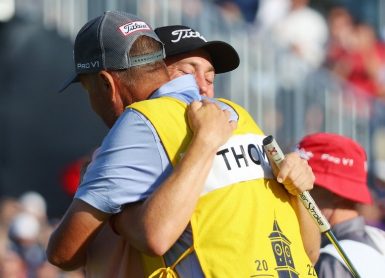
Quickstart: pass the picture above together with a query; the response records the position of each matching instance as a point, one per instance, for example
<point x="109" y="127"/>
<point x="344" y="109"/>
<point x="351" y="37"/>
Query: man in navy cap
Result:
<point x="188" y="51"/>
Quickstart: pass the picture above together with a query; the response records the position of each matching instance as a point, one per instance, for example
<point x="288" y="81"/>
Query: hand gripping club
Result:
<point x="275" y="154"/>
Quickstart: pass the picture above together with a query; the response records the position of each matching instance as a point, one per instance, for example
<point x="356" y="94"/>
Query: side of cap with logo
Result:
<point x="104" y="42"/>
<point x="179" y="39"/>
<point x="339" y="165"/>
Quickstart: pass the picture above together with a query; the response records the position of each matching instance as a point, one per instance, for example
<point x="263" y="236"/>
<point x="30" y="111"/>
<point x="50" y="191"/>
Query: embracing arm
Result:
<point x="154" y="225"/>
<point x="310" y="232"/>
<point x="68" y="243"/>
<point x="296" y="175"/>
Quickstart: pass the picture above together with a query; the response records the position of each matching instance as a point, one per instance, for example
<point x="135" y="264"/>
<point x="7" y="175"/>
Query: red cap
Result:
<point x="339" y="165"/>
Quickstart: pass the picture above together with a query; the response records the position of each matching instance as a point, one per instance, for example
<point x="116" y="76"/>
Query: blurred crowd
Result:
<point x="351" y="49"/>
<point x="24" y="233"/>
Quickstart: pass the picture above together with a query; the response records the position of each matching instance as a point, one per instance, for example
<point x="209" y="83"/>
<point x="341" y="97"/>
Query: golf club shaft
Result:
<point x="329" y="234"/>
<point x="275" y="153"/>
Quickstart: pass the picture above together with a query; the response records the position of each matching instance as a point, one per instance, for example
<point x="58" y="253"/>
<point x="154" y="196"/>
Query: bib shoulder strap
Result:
<point x="368" y="261"/>
<point x="245" y="121"/>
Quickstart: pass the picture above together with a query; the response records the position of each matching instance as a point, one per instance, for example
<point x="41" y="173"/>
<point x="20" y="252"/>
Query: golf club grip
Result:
<point x="274" y="152"/>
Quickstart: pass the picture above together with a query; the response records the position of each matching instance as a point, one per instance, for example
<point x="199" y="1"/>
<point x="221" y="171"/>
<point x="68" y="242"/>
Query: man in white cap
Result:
<point x="339" y="165"/>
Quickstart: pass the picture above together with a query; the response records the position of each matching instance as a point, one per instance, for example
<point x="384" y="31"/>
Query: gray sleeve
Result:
<point x="328" y="267"/>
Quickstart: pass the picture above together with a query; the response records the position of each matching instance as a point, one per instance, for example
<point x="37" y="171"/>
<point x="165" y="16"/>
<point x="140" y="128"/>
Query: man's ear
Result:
<point x="111" y="86"/>
<point x="107" y="82"/>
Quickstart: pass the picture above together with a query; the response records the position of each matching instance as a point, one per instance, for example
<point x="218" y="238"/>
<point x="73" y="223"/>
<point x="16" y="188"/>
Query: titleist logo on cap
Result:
<point x="134" y="26"/>
<point x="186" y="34"/>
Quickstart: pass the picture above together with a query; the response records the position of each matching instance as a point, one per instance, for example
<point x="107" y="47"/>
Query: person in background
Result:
<point x="245" y="9"/>
<point x="339" y="165"/>
<point x="24" y="235"/>
<point x="12" y="265"/>
<point x="304" y="33"/>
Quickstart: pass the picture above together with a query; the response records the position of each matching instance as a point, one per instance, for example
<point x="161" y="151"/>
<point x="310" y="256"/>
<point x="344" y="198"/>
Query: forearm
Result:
<point x="63" y="256"/>
<point x="68" y="243"/>
<point x="310" y="233"/>
<point x="153" y="226"/>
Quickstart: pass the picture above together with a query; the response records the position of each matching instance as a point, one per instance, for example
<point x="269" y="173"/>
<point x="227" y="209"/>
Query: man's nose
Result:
<point x="202" y="84"/>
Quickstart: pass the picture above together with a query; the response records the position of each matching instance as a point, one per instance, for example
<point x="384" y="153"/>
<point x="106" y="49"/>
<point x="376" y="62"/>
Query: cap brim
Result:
<point x="72" y="79"/>
<point x="349" y="189"/>
<point x="223" y="56"/>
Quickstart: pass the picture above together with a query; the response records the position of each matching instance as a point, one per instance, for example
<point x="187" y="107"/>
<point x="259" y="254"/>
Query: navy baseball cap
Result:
<point x="179" y="39"/>
<point x="104" y="43"/>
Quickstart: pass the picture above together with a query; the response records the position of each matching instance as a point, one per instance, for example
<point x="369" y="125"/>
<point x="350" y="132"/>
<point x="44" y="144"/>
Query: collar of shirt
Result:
<point x="183" y="88"/>
<point x="349" y="229"/>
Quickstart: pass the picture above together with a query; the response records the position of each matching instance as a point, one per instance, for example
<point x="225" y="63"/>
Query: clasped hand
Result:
<point x="210" y="123"/>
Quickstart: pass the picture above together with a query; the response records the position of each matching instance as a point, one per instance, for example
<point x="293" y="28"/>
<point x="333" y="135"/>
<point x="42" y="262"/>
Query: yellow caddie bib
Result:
<point x="244" y="224"/>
